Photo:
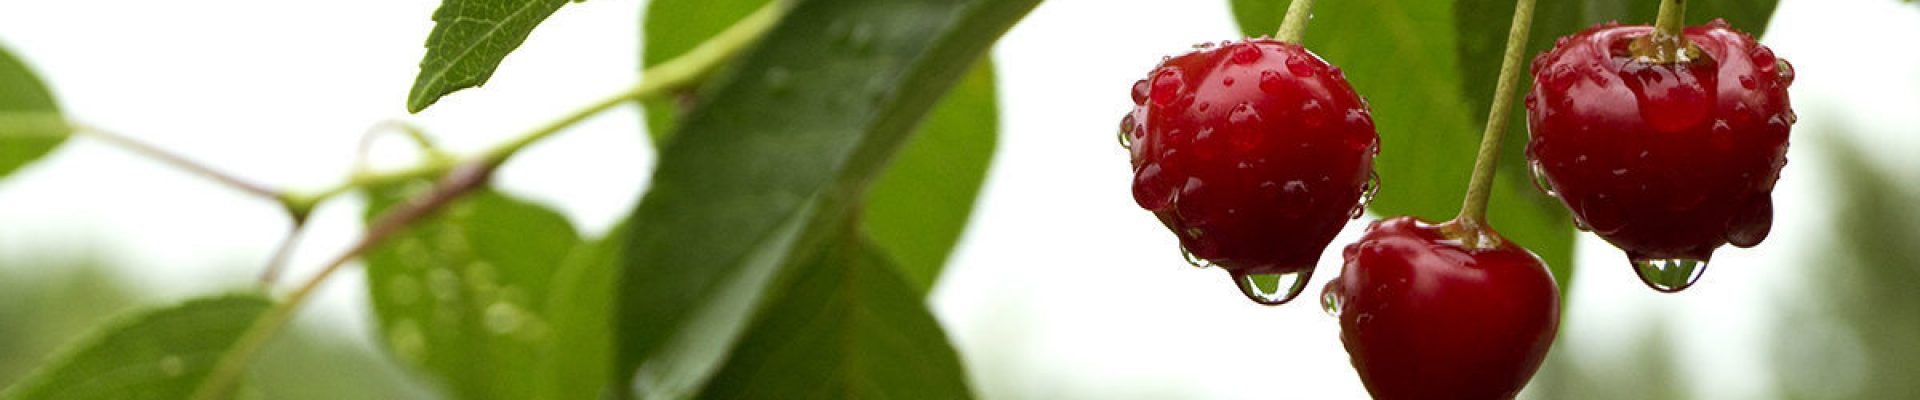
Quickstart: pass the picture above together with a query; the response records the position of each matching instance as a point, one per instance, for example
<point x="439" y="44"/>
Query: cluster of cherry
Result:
<point x="1665" y="143"/>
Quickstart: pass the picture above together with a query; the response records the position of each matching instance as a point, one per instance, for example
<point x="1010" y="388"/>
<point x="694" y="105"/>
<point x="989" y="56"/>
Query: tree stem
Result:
<point x="1474" y="209"/>
<point x="1295" y="24"/>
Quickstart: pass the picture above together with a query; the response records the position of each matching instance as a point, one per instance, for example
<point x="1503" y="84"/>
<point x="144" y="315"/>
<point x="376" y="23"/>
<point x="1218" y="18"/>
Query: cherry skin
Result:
<point x="1666" y="161"/>
<point x="1254" y="153"/>
<point x="1424" y="317"/>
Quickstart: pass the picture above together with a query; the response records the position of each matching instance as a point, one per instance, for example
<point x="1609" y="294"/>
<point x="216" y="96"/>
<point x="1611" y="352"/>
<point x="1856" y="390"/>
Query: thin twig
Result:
<point x="282" y="254"/>
<point x="178" y="161"/>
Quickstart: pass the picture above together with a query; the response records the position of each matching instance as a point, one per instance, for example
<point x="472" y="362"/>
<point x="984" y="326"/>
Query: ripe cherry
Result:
<point x="1254" y="153"/>
<point x="1666" y="159"/>
<point x="1425" y="316"/>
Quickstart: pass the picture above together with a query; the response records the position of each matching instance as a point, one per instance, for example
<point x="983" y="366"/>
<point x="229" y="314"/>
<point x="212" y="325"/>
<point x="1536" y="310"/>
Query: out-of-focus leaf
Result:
<point x="844" y="326"/>
<point x="157" y="354"/>
<point x="671" y="28"/>
<point x="465" y="294"/>
<point x="918" y="209"/>
<point x="30" y="122"/>
<point x="1851" y="333"/>
<point x="580" y="307"/>
<point x="784" y="140"/>
<point x="469" y="39"/>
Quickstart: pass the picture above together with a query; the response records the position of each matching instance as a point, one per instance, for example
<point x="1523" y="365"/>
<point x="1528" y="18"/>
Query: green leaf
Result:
<point x="920" y="206"/>
<point x="30" y="122"/>
<point x="158" y="354"/>
<point x="784" y="140"/>
<point x="918" y="209"/>
<point x="673" y="27"/>
<point x="469" y="39"/>
<point x="844" y="326"/>
<point x="468" y="295"/>
<point x="1429" y="67"/>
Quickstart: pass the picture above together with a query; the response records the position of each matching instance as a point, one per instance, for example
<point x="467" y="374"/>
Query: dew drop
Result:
<point x="1203" y="106"/>
<point x="777" y="78"/>
<point x="1167" y="85"/>
<point x="1330" y="297"/>
<point x="1245" y="54"/>
<point x="1271" y="82"/>
<point x="504" y="318"/>
<point x="1786" y="71"/>
<point x="1196" y="262"/>
<point x="408" y="341"/>
<point x="1271" y="289"/>
<point x="1539" y="172"/>
<point x="1126" y="131"/>
<point x="1299" y="66"/>
<point x="173" y="366"/>
<point x="1228" y="82"/>
<point x="1367" y="192"/>
<point x="1669" y="275"/>
<point x="1747" y="81"/>
<point x="1203" y="45"/>
<point x="1140" y="92"/>
<point x="1750" y="225"/>
<point x="1313" y="113"/>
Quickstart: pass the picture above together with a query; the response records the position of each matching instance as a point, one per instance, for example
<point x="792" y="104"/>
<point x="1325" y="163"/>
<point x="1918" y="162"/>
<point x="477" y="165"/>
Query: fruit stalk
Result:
<point x="1473" y="211"/>
<point x="1295" y="24"/>
<point x="1672" y="18"/>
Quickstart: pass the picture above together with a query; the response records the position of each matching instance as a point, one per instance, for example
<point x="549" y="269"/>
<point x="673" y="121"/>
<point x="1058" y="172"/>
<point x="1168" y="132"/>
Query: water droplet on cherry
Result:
<point x="1271" y="289"/>
<point x="1539" y="172"/>
<point x="1299" y="66"/>
<point x="1367" y="193"/>
<point x="1140" y="89"/>
<point x="1126" y="131"/>
<point x="1330" y="298"/>
<point x="1196" y="262"/>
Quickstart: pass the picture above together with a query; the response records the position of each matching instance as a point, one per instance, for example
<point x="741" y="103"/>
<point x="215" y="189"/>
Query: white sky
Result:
<point x="1063" y="289"/>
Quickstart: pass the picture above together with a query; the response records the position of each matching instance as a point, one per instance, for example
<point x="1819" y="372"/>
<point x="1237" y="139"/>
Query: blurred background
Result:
<point x="1062" y="288"/>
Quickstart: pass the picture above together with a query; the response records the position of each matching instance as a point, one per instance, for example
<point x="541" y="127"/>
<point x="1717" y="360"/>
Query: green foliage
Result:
<point x="778" y="151"/>
<point x="469" y="39"/>
<point x="30" y="121"/>
<point x="918" y="209"/>
<point x="158" y="354"/>
<point x="1428" y="69"/>
<point x="497" y="297"/>
<point x="844" y="326"/>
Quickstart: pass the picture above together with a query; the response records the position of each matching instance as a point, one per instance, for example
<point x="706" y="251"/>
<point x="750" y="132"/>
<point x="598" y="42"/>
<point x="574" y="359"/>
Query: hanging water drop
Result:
<point x="1196" y="262"/>
<point x="1271" y="289"/>
<point x="1126" y="131"/>
<point x="1330" y="297"/>
<point x="1669" y="275"/>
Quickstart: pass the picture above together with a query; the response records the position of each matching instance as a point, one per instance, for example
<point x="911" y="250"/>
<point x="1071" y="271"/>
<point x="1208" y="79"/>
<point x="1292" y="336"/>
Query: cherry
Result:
<point x="1666" y="160"/>
<point x="1424" y="316"/>
<point x="1254" y="153"/>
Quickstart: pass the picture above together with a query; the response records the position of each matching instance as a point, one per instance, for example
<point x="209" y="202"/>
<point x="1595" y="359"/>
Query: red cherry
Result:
<point x="1255" y="154"/>
<point x="1666" y="161"/>
<point x="1423" y="317"/>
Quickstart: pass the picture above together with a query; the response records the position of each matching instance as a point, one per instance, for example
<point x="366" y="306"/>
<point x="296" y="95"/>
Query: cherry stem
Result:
<point x="1672" y="18"/>
<point x="1668" y="42"/>
<point x="1295" y="24"/>
<point x="1473" y="211"/>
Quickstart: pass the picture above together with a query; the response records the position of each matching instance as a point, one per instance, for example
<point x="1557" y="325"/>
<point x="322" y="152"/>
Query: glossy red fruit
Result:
<point x="1423" y="317"/>
<point x="1254" y="153"/>
<point x="1666" y="161"/>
